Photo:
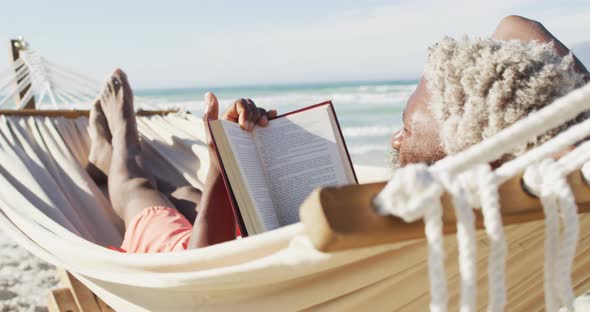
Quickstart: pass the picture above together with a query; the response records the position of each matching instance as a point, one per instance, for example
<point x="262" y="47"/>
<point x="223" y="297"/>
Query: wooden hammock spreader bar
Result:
<point x="340" y="218"/>
<point x="74" y="296"/>
<point x="72" y="114"/>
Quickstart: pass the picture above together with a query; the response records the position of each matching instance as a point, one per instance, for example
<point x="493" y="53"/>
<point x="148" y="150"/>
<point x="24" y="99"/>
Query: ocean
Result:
<point x="368" y="112"/>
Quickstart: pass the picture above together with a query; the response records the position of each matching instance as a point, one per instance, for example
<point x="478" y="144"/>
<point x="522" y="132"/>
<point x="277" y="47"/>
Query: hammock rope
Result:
<point x="10" y="76"/>
<point x="51" y="85"/>
<point x="548" y="181"/>
<point x="487" y="189"/>
<point x="467" y="245"/>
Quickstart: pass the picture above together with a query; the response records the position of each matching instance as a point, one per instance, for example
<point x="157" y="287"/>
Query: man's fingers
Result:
<point x="263" y="120"/>
<point x="247" y="115"/>
<point x="255" y="114"/>
<point x="244" y="113"/>
<point x="238" y="112"/>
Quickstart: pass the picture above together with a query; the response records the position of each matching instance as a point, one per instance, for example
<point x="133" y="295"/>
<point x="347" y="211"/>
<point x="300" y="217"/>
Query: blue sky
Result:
<point x="212" y="43"/>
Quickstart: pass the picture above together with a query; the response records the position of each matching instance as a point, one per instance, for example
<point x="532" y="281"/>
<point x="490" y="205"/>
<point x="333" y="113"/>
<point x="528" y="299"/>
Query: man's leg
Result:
<point x="131" y="188"/>
<point x="185" y="198"/>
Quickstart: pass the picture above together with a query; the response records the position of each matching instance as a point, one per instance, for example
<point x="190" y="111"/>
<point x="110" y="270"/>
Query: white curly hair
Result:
<point x="480" y="86"/>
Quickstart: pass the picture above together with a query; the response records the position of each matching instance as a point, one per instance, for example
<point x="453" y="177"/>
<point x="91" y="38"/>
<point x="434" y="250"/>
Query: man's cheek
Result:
<point x="407" y="154"/>
<point x="415" y="151"/>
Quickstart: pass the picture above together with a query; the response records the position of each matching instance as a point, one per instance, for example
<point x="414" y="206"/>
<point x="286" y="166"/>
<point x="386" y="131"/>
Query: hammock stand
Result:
<point x="342" y="256"/>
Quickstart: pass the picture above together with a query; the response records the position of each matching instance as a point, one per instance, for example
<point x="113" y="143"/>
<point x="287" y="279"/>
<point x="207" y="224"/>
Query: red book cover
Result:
<point x="234" y="204"/>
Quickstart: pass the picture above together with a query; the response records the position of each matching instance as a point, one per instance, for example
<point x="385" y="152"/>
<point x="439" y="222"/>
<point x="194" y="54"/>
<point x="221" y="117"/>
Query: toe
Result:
<point x="119" y="80"/>
<point x="104" y="95"/>
<point x="92" y="118"/>
<point x="115" y="84"/>
<point x="108" y="91"/>
<point x="96" y="107"/>
<point x="99" y="110"/>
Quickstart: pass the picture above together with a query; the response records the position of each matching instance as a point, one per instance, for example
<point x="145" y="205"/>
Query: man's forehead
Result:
<point x="417" y="100"/>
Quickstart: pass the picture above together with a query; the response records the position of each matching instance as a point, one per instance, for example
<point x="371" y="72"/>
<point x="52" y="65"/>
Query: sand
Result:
<point x="25" y="280"/>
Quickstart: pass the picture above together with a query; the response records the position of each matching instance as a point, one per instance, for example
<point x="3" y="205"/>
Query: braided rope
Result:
<point x="398" y="199"/>
<point x="490" y="206"/>
<point x="467" y="248"/>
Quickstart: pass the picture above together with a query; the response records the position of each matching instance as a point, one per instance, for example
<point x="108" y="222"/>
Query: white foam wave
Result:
<point x="365" y="149"/>
<point x="387" y="88"/>
<point x="367" y="131"/>
<point x="293" y="101"/>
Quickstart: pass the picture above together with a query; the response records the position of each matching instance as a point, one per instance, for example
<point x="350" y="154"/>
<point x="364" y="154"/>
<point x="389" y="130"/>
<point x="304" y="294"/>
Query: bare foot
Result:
<point x="117" y="104"/>
<point x="99" y="159"/>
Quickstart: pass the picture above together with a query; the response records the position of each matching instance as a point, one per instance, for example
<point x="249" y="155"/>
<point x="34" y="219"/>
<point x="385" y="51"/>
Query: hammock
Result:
<point x="52" y="208"/>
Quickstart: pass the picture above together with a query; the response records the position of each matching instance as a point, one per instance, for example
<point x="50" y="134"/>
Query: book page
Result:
<point x="299" y="153"/>
<point x="246" y="154"/>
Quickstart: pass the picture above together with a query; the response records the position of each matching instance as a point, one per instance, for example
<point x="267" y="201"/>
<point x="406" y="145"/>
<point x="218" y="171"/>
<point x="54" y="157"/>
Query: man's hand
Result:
<point x="242" y="111"/>
<point x="215" y="221"/>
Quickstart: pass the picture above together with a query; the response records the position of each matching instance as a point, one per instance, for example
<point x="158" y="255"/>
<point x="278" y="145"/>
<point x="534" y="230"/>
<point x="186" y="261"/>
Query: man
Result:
<point x="471" y="90"/>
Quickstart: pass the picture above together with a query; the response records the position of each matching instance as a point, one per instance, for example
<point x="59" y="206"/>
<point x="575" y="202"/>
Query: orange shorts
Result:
<point x="157" y="229"/>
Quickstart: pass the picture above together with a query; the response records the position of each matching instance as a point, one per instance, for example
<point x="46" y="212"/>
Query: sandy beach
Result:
<point x="25" y="280"/>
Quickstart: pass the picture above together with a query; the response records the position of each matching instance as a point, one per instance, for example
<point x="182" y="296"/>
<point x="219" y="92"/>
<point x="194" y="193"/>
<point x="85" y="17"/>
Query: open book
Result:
<point x="269" y="171"/>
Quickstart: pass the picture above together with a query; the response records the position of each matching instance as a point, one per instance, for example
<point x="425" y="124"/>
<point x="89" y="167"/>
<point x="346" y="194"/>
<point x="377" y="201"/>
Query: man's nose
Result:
<point x="396" y="140"/>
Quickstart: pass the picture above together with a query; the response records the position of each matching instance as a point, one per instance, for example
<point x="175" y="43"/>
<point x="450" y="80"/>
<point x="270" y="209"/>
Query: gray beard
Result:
<point x="392" y="159"/>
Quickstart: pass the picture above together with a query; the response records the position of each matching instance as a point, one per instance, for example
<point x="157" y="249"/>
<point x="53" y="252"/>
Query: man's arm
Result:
<point x="516" y="27"/>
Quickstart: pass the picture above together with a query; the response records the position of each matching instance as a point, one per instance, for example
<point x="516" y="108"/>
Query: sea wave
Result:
<point x="387" y="88"/>
<point x="367" y="131"/>
<point x="354" y="99"/>
<point x="349" y="102"/>
<point x="367" y="149"/>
